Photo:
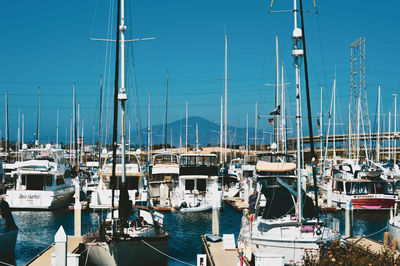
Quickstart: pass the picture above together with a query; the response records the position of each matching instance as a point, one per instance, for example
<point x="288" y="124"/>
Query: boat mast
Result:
<point x="197" y="137"/>
<point x="166" y="117"/>
<point x="74" y="125"/>
<point x="122" y="95"/>
<point x="276" y="118"/>
<point x="378" y="136"/>
<point x="38" y="120"/>
<point x="226" y="95"/>
<point x="298" y="53"/>
<point x="389" y="136"/>
<point x="187" y="120"/>
<point x="18" y="132"/>
<point x="57" y="128"/>
<point x="23" y="128"/>
<point x="395" y="129"/>
<point x="334" y="120"/>
<point x="321" y="132"/>
<point x="247" y="133"/>
<point x="255" y="130"/>
<point x="100" y="119"/>
<point x="283" y="112"/>
<point x="221" y="132"/>
<point x="148" y="128"/>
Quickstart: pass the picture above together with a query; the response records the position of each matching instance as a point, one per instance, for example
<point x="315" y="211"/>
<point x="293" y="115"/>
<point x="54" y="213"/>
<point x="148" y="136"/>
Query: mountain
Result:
<point x="209" y="133"/>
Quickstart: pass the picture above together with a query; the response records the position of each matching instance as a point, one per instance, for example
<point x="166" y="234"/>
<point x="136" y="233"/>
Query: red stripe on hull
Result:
<point x="372" y="203"/>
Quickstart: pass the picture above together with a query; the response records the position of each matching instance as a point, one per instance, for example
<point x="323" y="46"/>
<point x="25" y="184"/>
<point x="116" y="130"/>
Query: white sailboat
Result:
<point x="127" y="236"/>
<point x="276" y="232"/>
<point x="42" y="180"/>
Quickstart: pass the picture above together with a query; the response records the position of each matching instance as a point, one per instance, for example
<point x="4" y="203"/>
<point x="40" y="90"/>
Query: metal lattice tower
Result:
<point x="358" y="116"/>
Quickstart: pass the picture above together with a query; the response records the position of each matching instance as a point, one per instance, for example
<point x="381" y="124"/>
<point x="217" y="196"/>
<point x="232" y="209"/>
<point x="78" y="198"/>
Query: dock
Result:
<point x="369" y="244"/>
<point x="44" y="257"/>
<point x="217" y="256"/>
<point x="236" y="203"/>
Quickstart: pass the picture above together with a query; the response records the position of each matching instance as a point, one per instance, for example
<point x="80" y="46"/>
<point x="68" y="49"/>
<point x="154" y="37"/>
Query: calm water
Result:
<point x="40" y="227"/>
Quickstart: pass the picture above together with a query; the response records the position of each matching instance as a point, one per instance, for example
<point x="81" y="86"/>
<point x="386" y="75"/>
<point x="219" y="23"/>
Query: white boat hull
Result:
<point x="7" y="242"/>
<point x="39" y="199"/>
<point x="129" y="252"/>
<point x="102" y="199"/>
<point x="201" y="208"/>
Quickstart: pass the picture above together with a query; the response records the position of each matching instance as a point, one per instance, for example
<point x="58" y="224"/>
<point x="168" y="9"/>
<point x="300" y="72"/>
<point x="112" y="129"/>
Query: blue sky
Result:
<point x="48" y="44"/>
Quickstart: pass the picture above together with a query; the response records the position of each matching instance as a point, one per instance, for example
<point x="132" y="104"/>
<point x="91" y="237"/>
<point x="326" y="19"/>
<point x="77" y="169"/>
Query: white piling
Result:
<point x="329" y="194"/>
<point x="349" y="219"/>
<point x="60" y="240"/>
<point x="77" y="210"/>
<point x="162" y="195"/>
<point x="246" y="195"/>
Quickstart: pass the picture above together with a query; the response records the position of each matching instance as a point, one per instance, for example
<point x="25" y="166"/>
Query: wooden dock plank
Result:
<point x="45" y="257"/>
<point x="217" y="256"/>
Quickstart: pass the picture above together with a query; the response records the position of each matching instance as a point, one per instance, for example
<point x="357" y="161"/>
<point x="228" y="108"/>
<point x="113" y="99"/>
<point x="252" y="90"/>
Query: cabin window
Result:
<point x="339" y="186"/>
<point x="48" y="180"/>
<point x="132" y="182"/>
<point x="380" y="188"/>
<point x="201" y="184"/>
<point x="59" y="180"/>
<point x="34" y="182"/>
<point x="189" y="184"/>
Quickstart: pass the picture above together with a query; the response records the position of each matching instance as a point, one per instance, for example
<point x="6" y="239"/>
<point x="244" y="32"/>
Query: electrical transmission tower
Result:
<point x="359" y="122"/>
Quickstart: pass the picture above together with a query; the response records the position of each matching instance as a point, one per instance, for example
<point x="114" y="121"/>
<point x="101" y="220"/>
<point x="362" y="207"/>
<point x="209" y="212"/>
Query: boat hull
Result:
<point x="39" y="199"/>
<point x="7" y="242"/>
<point x="394" y="232"/>
<point x="129" y="252"/>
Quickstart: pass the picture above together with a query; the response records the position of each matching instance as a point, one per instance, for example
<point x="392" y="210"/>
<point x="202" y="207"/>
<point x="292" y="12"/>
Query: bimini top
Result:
<point x="275" y="167"/>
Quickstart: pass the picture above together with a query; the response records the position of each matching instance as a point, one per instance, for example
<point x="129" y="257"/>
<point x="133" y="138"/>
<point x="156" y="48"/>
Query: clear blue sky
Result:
<point x="47" y="44"/>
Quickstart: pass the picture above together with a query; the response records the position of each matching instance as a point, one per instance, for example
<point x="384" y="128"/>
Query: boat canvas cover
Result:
<point x="275" y="167"/>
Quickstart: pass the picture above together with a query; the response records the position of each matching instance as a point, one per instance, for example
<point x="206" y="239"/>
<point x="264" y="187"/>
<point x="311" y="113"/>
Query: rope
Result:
<point x="5" y="263"/>
<point x="166" y="254"/>
<point x="384" y="228"/>
<point x="32" y="238"/>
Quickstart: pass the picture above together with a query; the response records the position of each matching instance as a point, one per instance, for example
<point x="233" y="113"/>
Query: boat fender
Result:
<point x="183" y="205"/>
<point x="386" y="239"/>
<point x="318" y="232"/>
<point x="394" y="244"/>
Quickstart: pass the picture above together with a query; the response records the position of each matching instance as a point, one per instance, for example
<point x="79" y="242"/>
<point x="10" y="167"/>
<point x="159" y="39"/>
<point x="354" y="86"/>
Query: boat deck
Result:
<point x="217" y="256"/>
<point x="44" y="258"/>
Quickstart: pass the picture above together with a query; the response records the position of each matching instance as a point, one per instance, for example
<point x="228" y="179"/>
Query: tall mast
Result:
<point x="7" y="131"/>
<point x="197" y="137"/>
<point x="298" y="53"/>
<point x="334" y="120"/>
<point x="100" y="119"/>
<point x="19" y="132"/>
<point x="255" y="130"/>
<point x="378" y="136"/>
<point x="247" y="133"/>
<point x="389" y="136"/>
<point x="148" y="128"/>
<point x="57" y="128"/>
<point x="74" y="125"/>
<point x="77" y="148"/>
<point x="166" y="117"/>
<point x="283" y="113"/>
<point x="221" y="132"/>
<point x="276" y="118"/>
<point x="395" y="129"/>
<point x="226" y="95"/>
<point x="122" y="95"/>
<point x="187" y="120"/>
<point x="82" y="142"/>
<point x="23" y="129"/>
<point x="38" y="120"/>
<point x="321" y="128"/>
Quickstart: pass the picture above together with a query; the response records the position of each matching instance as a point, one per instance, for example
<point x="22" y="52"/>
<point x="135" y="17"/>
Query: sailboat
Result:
<point x="127" y="236"/>
<point x="285" y="227"/>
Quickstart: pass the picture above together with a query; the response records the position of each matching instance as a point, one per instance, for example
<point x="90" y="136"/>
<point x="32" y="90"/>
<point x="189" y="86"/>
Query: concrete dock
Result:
<point x="217" y="256"/>
<point x="236" y="203"/>
<point x="44" y="258"/>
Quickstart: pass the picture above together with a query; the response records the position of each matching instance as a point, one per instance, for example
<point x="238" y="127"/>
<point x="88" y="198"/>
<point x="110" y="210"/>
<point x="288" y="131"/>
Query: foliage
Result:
<point x="338" y="254"/>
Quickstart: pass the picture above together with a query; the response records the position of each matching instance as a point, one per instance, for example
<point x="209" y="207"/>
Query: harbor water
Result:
<point x="37" y="230"/>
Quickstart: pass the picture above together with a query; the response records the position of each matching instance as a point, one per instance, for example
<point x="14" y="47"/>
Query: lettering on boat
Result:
<point x="29" y="196"/>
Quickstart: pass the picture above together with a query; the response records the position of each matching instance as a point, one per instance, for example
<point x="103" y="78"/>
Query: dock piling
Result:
<point x="349" y="219"/>
<point x="60" y="240"/>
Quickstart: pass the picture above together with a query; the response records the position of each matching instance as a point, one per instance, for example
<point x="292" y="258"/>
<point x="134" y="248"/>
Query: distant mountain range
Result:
<point x="209" y="133"/>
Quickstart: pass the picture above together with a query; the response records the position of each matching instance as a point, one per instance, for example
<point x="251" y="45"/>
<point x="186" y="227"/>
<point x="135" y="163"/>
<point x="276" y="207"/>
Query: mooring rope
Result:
<point x="167" y="254"/>
<point x="384" y="228"/>
<point x="34" y="239"/>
